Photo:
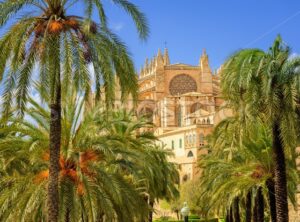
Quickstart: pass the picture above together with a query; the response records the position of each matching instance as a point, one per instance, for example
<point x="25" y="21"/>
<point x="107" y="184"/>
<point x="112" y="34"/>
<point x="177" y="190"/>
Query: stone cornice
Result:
<point x="181" y="67"/>
<point x="184" y="129"/>
<point x="146" y="77"/>
<point x="147" y="89"/>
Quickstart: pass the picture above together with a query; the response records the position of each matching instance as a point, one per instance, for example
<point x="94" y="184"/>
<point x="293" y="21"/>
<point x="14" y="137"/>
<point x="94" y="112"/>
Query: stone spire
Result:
<point x="152" y="63"/>
<point x="219" y="70"/>
<point x="159" y="55"/>
<point x="142" y="72"/>
<point x="204" y="57"/>
<point x="204" y="63"/>
<point x="166" y="57"/>
<point x="159" y="59"/>
<point x="147" y="64"/>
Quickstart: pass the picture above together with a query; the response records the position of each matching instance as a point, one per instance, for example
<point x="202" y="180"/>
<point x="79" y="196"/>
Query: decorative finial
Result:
<point x="204" y="63"/>
<point x="159" y="59"/>
<point x="152" y="63"/>
<point x="141" y="71"/>
<point x="159" y="53"/>
<point x="166" y="57"/>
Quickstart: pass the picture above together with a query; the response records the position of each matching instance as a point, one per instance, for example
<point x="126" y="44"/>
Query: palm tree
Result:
<point x="264" y="82"/>
<point x="61" y="46"/>
<point x="163" y="180"/>
<point x="159" y="179"/>
<point x="106" y="167"/>
<point x="245" y="166"/>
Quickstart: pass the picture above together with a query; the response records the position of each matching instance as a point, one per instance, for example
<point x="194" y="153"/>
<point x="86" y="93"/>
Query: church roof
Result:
<point x="182" y="64"/>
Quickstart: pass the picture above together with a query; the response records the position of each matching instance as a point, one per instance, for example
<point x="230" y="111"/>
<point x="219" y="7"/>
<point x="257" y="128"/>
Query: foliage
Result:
<point x="238" y="166"/>
<point x="190" y="193"/>
<point x="46" y="42"/>
<point x="107" y="164"/>
<point x="34" y="41"/>
<point x="190" y="220"/>
<point x="250" y="149"/>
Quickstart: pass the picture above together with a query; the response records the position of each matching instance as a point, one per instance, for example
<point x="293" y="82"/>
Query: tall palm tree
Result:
<point x="58" y="45"/>
<point x="264" y="82"/>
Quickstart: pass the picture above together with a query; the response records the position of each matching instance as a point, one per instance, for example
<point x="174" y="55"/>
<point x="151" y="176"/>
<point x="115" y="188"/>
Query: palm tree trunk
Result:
<point x="177" y="214"/>
<point x="254" y="216"/>
<point x="151" y="203"/>
<point x="237" y="210"/>
<point x="281" y="200"/>
<point x="249" y="207"/>
<point x="100" y="217"/>
<point x="231" y="214"/>
<point x="271" y="192"/>
<point x="260" y="205"/>
<point x="227" y="216"/>
<point x="55" y="139"/>
<point x="146" y="199"/>
<point x="67" y="215"/>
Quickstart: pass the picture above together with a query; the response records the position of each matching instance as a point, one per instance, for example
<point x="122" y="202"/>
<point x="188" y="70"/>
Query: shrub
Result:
<point x="167" y="219"/>
<point x="194" y="217"/>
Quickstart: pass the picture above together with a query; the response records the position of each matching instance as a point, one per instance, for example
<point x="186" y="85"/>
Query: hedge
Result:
<point x="190" y="220"/>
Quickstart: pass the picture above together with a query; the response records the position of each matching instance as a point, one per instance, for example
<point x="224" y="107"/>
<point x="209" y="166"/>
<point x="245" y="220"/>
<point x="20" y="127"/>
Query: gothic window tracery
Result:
<point x="182" y="84"/>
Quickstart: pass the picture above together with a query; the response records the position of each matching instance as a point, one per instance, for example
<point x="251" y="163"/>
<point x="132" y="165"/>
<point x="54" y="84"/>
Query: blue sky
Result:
<point x="220" y="26"/>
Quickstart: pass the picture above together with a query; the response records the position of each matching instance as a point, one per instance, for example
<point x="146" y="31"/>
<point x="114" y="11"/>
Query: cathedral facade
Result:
<point x="183" y="102"/>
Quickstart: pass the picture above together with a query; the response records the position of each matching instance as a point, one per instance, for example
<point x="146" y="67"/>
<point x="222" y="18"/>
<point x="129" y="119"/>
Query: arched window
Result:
<point x="190" y="154"/>
<point x="194" y="138"/>
<point x="185" y="178"/>
<point x="201" y="139"/>
<point x="178" y="115"/>
<point x="180" y="143"/>
<point x="208" y="121"/>
<point x="190" y="139"/>
<point x="203" y="121"/>
<point x="195" y="107"/>
<point x="173" y="145"/>
<point x="147" y="113"/>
